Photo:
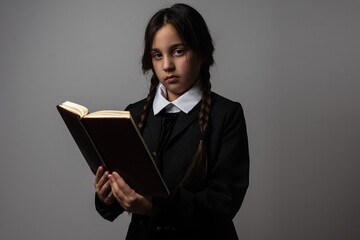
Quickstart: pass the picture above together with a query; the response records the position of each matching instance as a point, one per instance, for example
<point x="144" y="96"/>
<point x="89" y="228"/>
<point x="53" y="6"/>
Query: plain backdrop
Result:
<point x="293" y="65"/>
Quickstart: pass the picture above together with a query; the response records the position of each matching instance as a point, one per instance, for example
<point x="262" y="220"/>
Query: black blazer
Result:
<point x="208" y="213"/>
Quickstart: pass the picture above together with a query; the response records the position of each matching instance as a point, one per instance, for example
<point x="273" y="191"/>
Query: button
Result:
<point x="164" y="228"/>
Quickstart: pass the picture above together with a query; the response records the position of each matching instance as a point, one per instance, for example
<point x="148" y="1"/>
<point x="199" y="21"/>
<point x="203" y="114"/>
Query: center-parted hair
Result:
<point x="193" y="31"/>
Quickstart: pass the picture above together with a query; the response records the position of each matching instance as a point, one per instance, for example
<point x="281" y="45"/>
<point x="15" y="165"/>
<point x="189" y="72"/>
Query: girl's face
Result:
<point x="176" y="65"/>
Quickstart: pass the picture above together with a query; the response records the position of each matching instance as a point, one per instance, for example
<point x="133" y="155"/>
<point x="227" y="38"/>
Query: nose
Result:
<point x="168" y="64"/>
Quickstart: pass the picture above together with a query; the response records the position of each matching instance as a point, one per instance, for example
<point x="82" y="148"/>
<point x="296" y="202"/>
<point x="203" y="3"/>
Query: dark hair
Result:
<point x="193" y="30"/>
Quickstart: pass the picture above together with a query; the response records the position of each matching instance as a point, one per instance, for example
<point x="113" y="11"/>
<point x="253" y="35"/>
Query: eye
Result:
<point x="156" y="55"/>
<point x="178" y="52"/>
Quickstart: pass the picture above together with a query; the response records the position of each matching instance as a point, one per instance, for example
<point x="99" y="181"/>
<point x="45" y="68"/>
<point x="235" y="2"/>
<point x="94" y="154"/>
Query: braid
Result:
<point x="197" y="171"/>
<point x="205" y="103"/>
<point x="149" y="99"/>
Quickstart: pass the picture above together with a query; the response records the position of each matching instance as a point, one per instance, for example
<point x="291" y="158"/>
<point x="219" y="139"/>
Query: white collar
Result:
<point x="184" y="103"/>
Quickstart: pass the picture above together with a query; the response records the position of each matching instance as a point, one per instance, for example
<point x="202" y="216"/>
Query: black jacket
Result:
<point x="208" y="213"/>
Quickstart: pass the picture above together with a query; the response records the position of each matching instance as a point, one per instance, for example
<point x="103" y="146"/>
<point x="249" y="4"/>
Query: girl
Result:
<point x="197" y="137"/>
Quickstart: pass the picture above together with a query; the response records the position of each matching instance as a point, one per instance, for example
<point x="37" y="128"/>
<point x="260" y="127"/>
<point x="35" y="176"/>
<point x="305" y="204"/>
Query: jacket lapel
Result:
<point x="152" y="131"/>
<point x="152" y="134"/>
<point x="184" y="121"/>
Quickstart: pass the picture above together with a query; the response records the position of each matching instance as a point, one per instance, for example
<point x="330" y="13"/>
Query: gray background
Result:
<point x="294" y="66"/>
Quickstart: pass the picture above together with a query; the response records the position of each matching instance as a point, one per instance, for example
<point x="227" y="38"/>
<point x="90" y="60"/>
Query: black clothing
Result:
<point x="208" y="213"/>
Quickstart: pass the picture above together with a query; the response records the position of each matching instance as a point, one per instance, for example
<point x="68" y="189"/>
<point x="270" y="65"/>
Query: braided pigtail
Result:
<point x="149" y="99"/>
<point x="197" y="171"/>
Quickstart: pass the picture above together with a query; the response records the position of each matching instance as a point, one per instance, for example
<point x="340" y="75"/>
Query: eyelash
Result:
<point x="156" y="55"/>
<point x="177" y="52"/>
<point x="181" y="51"/>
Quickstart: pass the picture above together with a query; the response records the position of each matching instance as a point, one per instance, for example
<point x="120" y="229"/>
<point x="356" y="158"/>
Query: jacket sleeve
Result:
<point x="108" y="212"/>
<point x="228" y="179"/>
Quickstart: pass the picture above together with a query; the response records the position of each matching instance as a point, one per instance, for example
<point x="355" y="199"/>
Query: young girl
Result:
<point x="197" y="137"/>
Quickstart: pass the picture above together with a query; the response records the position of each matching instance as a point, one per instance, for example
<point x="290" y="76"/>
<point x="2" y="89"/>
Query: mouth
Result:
<point x="171" y="78"/>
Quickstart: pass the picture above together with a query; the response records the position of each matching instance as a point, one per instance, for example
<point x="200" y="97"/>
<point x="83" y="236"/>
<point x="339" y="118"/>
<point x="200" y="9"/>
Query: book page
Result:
<point x="109" y="114"/>
<point x="75" y="108"/>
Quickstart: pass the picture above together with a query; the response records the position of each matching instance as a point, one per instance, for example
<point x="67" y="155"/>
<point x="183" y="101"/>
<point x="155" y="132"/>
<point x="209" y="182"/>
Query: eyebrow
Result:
<point x="171" y="47"/>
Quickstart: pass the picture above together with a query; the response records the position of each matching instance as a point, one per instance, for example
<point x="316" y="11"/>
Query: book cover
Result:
<point x="115" y="142"/>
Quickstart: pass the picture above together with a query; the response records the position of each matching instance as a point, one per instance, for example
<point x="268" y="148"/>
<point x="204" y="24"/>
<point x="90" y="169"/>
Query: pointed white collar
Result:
<point x="184" y="103"/>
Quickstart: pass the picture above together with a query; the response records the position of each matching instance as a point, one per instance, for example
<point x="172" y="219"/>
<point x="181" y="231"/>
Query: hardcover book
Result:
<point x="112" y="139"/>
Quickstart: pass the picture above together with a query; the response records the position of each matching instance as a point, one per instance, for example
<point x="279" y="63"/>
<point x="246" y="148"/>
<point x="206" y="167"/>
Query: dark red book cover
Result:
<point x="117" y="144"/>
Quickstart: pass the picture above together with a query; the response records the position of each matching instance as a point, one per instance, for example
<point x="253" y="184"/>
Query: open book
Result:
<point x="111" y="138"/>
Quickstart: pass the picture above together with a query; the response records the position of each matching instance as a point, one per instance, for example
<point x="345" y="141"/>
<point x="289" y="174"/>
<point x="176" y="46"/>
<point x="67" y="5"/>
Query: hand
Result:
<point x="103" y="187"/>
<point x="127" y="197"/>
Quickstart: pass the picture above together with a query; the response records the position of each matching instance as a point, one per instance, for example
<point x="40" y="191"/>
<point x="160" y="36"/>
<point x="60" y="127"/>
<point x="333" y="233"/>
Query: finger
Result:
<point x="118" y="200"/>
<point x="99" y="173"/>
<point x="118" y="194"/>
<point x="125" y="188"/>
<point x="110" y="195"/>
<point x="105" y="189"/>
<point x="103" y="179"/>
<point x="109" y="199"/>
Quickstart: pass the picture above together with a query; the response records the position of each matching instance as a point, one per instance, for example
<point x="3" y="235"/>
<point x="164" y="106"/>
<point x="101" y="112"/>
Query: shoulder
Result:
<point x="136" y="108"/>
<point x="136" y="105"/>
<point x="224" y="106"/>
<point x="226" y="115"/>
<point x="227" y="119"/>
